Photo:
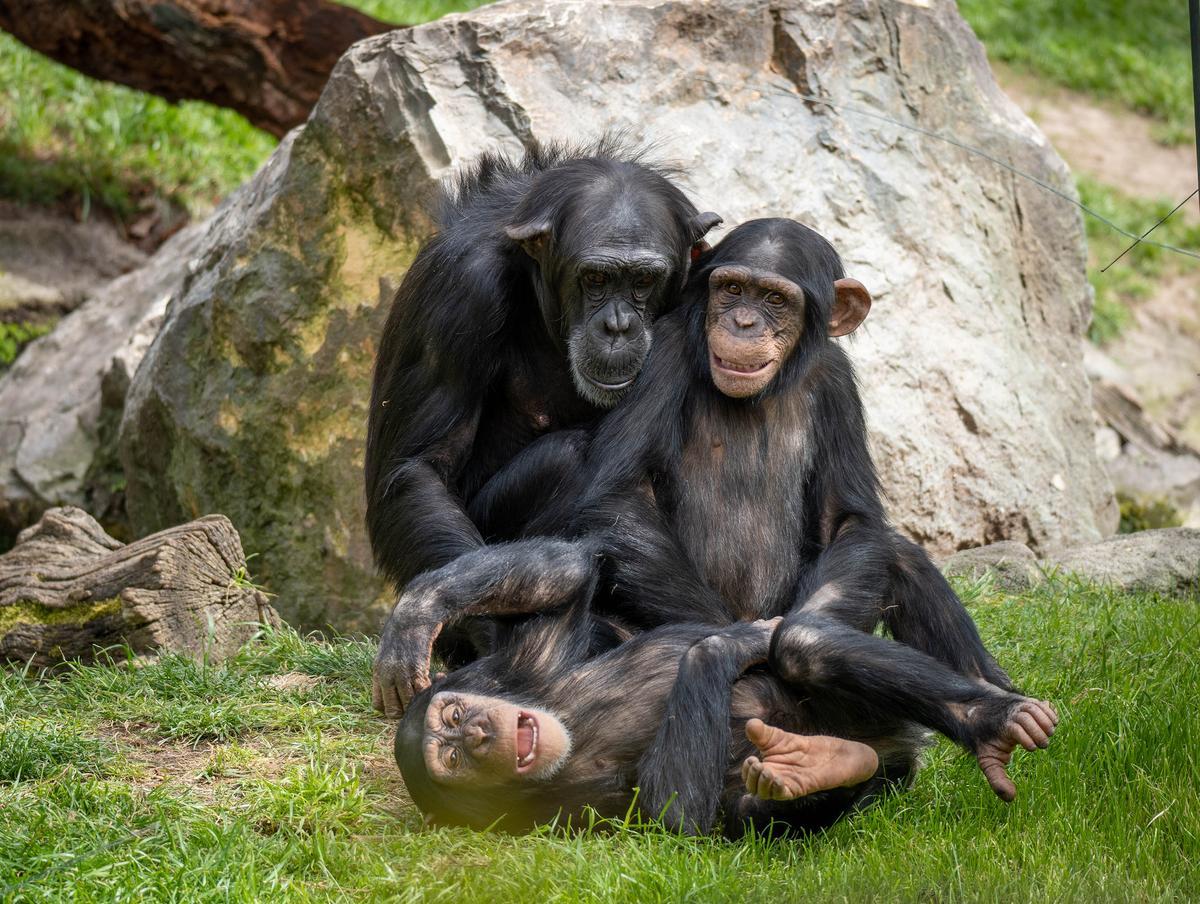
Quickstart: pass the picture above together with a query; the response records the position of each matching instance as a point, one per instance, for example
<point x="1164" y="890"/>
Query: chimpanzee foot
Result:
<point x="792" y="765"/>
<point x="1021" y="722"/>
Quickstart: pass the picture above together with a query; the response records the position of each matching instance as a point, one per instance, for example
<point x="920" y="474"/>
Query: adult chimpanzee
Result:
<point x="735" y="481"/>
<point x="528" y="311"/>
<point x="542" y="728"/>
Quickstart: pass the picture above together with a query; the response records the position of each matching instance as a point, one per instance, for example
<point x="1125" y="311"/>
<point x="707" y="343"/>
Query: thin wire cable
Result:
<point x="1150" y="230"/>
<point x="870" y="114"/>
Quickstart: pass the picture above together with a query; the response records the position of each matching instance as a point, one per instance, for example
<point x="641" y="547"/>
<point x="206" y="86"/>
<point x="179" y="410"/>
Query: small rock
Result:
<point x="1108" y="443"/>
<point x="1151" y="561"/>
<point x="1012" y="564"/>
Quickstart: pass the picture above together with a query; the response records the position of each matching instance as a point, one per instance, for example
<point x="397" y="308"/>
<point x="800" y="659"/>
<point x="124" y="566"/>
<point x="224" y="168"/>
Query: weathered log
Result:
<point x="267" y="59"/>
<point x="68" y="590"/>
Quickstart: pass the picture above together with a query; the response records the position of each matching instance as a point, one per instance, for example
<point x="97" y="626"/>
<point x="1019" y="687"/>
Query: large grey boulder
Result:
<point x="252" y="400"/>
<point x="61" y="400"/>
<point x="1151" y="561"/>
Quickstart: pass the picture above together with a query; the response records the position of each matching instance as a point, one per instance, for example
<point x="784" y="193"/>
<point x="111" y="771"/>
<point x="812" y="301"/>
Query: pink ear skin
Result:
<point x="851" y="304"/>
<point x="533" y="236"/>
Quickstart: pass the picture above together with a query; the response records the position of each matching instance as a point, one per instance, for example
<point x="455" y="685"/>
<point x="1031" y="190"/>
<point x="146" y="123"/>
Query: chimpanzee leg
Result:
<point x="849" y="580"/>
<point x="925" y="613"/>
<point x="869" y="574"/>
<point x="880" y="678"/>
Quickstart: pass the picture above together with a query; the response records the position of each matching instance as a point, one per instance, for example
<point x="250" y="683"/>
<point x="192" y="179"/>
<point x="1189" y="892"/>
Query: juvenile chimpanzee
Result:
<point x="530" y="310"/>
<point x="542" y="728"/>
<point x="735" y="481"/>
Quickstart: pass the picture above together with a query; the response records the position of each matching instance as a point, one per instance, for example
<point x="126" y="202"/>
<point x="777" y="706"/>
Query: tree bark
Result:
<point x="267" y="59"/>
<point x="67" y="590"/>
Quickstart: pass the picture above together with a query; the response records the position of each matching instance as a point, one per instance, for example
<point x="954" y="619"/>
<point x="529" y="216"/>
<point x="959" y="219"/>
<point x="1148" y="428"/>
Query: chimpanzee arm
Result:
<point x="537" y="492"/>
<point x="432" y="376"/>
<point x="879" y="679"/>
<point x="505" y="579"/>
<point x="681" y="775"/>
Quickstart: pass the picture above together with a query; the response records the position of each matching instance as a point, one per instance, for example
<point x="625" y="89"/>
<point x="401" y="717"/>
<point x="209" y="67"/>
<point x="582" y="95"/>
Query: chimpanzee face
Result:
<point x="612" y="255"/>
<point x="475" y="741"/>
<point x="611" y="295"/>
<point x="759" y="311"/>
<point x="754" y="320"/>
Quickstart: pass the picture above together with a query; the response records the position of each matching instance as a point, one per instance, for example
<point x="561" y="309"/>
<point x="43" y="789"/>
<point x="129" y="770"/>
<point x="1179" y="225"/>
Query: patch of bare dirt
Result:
<point x="1160" y="352"/>
<point x="1156" y="359"/>
<point x="57" y="261"/>
<point x="197" y="766"/>
<point x="1111" y="145"/>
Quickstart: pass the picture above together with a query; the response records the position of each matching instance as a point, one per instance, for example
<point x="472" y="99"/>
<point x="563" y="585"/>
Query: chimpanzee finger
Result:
<point x="1029" y="723"/>
<point x="993" y="771"/>
<point x="1039" y="714"/>
<point x="1020" y="735"/>
<point x="751" y="769"/>
<point x="392" y="707"/>
<point x="760" y="734"/>
<point x="1045" y="714"/>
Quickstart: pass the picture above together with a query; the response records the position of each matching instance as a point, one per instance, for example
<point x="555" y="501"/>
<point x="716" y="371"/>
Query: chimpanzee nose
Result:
<point x="475" y="736"/>
<point x="745" y="319"/>
<point x="617" y="322"/>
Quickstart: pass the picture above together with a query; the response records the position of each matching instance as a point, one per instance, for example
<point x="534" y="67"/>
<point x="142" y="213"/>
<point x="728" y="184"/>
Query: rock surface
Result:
<point x="56" y="262"/>
<point x="252" y="400"/>
<point x="1153" y="561"/>
<point x="1012" y="565"/>
<point x="58" y="412"/>
<point x="68" y="589"/>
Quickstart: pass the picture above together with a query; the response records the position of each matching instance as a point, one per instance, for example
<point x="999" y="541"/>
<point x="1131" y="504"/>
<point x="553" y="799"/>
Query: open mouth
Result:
<point x="742" y="370"/>
<point x="527" y="740"/>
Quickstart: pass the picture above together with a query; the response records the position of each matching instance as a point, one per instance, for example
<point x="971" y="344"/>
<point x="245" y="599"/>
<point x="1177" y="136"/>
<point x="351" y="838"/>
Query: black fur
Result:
<point x="784" y="519"/>
<point x="489" y="336"/>
<point x="660" y="719"/>
<point x="709" y="508"/>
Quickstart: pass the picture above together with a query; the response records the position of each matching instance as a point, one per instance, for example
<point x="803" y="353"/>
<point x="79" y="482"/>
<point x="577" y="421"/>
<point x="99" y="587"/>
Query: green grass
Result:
<point x="1133" y="277"/>
<point x="15" y="336"/>
<point x="68" y="138"/>
<point x="174" y="781"/>
<point x="1131" y="51"/>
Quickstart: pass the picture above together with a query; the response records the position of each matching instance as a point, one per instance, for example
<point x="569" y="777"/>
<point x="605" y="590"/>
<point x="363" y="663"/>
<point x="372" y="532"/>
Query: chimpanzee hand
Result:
<point x="1000" y="725"/>
<point x="741" y="644"/>
<point x="405" y="649"/>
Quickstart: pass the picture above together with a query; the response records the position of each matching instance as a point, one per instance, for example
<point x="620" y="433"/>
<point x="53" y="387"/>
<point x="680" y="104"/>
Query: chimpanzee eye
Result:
<point x="775" y="298"/>
<point x="644" y="282"/>
<point x="456" y="715"/>
<point x="453" y="757"/>
<point x="594" y="278"/>
<point x="734" y="288"/>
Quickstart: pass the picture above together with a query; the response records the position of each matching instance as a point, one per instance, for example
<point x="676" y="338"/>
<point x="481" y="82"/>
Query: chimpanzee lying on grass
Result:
<point x="735" y="483"/>
<point x="542" y="728"/>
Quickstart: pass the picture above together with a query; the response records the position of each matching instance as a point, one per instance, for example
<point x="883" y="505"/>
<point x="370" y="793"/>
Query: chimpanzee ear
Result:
<point x="851" y="304"/>
<point x="533" y="236"/>
<point x="700" y="224"/>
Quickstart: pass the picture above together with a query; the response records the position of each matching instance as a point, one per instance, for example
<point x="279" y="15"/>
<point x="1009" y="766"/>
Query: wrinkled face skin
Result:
<point x="614" y="260"/>
<point x="477" y="741"/>
<point x="753" y="322"/>
<point x="611" y="295"/>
